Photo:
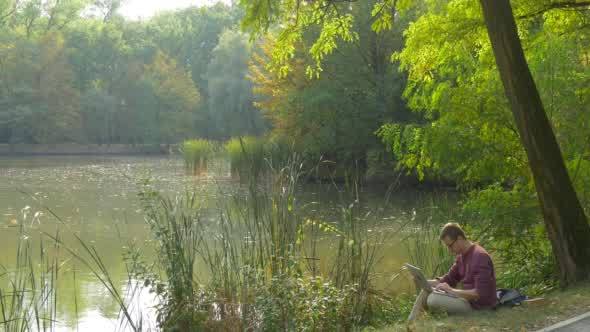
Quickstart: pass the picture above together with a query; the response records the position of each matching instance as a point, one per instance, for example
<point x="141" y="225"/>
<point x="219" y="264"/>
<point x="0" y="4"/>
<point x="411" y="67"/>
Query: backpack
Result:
<point x="509" y="297"/>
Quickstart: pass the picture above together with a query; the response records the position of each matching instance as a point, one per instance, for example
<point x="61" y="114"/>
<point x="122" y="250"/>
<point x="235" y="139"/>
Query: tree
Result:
<point x="190" y="35"/>
<point x="567" y="226"/>
<point x="176" y="97"/>
<point x="60" y="119"/>
<point x="125" y="81"/>
<point x="39" y="101"/>
<point x="230" y="100"/>
<point x="335" y="114"/>
<point x="565" y="221"/>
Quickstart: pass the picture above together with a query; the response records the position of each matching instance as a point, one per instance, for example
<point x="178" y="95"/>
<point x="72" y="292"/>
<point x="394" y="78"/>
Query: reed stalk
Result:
<point x="196" y="153"/>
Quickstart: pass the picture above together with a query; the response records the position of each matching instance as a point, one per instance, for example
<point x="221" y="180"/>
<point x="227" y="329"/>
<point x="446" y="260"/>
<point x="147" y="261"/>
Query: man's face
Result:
<point x="451" y="244"/>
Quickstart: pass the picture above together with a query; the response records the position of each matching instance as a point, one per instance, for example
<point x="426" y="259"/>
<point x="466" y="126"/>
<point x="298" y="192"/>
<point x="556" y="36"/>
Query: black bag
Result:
<point x="509" y="297"/>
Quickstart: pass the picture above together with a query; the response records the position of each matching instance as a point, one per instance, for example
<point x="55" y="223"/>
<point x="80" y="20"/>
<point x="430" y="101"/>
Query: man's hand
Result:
<point x="470" y="294"/>
<point x="443" y="286"/>
<point x="433" y="282"/>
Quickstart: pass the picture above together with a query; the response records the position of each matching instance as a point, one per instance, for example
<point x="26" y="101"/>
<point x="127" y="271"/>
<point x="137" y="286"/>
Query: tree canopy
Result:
<point x="76" y="71"/>
<point x="471" y="126"/>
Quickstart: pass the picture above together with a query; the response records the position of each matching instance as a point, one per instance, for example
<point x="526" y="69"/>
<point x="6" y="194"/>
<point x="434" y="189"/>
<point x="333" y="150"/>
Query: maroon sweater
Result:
<point x="476" y="271"/>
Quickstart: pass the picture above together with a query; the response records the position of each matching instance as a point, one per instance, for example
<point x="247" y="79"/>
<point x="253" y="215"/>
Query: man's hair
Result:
<point x="452" y="230"/>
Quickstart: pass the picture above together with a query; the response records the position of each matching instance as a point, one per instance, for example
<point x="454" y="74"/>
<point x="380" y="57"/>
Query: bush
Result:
<point x="297" y="303"/>
<point x="508" y="223"/>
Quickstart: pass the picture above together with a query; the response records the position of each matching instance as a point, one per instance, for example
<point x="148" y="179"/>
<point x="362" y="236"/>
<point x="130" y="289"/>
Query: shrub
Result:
<point x="508" y="223"/>
<point x="298" y="303"/>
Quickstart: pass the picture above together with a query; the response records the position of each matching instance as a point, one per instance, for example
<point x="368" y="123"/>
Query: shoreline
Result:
<point x="74" y="149"/>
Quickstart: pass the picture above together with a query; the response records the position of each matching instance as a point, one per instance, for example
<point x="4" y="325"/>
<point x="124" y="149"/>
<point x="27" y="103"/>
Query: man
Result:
<point x="473" y="267"/>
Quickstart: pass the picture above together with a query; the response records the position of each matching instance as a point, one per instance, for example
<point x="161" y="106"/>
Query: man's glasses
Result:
<point x="450" y="246"/>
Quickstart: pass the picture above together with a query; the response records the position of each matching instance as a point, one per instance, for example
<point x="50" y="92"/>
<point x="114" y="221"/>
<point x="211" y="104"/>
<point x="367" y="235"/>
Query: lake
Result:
<point x="95" y="199"/>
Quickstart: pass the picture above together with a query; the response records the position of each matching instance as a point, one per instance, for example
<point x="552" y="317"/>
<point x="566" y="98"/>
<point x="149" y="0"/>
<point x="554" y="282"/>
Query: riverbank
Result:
<point x="557" y="306"/>
<point x="85" y="149"/>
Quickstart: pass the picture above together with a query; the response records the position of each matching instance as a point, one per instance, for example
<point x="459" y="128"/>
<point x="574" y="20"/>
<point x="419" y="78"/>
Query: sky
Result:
<point x="134" y="9"/>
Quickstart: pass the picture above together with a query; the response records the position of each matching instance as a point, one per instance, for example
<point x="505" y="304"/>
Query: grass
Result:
<point x="559" y="305"/>
<point x="29" y="301"/>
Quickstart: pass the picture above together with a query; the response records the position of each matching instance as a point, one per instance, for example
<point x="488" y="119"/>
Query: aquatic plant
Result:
<point x="29" y="302"/>
<point x="176" y="225"/>
<point x="196" y="153"/>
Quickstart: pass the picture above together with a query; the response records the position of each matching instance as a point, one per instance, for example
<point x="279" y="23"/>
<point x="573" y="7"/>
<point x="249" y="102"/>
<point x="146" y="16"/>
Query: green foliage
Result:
<point x="579" y="170"/>
<point x="408" y="144"/>
<point x="176" y="225"/>
<point x="39" y="103"/>
<point x="384" y="13"/>
<point x="334" y="26"/>
<point x="230" y="102"/>
<point x="454" y="84"/>
<point x="98" y="78"/>
<point x="508" y="223"/>
<point x="195" y="153"/>
<point x="190" y="35"/>
<point x="529" y="266"/>
<point x="329" y="21"/>
<point x="332" y="116"/>
<point x="175" y="94"/>
<point x="28" y="301"/>
<point x="301" y="303"/>
<point x="247" y="157"/>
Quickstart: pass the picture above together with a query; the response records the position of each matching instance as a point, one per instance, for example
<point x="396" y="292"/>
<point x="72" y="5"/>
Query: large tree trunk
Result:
<point x="567" y="227"/>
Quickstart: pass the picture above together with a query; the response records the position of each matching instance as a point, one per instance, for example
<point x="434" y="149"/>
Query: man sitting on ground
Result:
<point x="473" y="267"/>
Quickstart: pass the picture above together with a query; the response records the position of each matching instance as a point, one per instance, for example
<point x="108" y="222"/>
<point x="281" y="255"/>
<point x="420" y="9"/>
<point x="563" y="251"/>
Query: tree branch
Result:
<point x="572" y="4"/>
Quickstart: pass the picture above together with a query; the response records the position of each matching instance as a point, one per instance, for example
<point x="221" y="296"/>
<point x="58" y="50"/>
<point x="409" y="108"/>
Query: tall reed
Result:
<point x="176" y="225"/>
<point x="29" y="300"/>
<point x="196" y="152"/>
<point x="257" y="240"/>
<point x="262" y="249"/>
<point x="257" y="250"/>
<point x="422" y="243"/>
<point x="247" y="156"/>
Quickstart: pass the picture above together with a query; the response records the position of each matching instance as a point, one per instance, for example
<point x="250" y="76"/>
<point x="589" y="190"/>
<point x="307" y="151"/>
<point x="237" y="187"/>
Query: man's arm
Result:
<point x="453" y="276"/>
<point x="468" y="294"/>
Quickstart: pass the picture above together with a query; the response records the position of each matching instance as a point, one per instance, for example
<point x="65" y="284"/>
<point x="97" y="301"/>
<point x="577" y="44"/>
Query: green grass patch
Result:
<point x="559" y="305"/>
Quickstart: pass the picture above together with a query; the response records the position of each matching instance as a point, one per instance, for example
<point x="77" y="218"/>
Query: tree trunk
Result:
<point x="567" y="227"/>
